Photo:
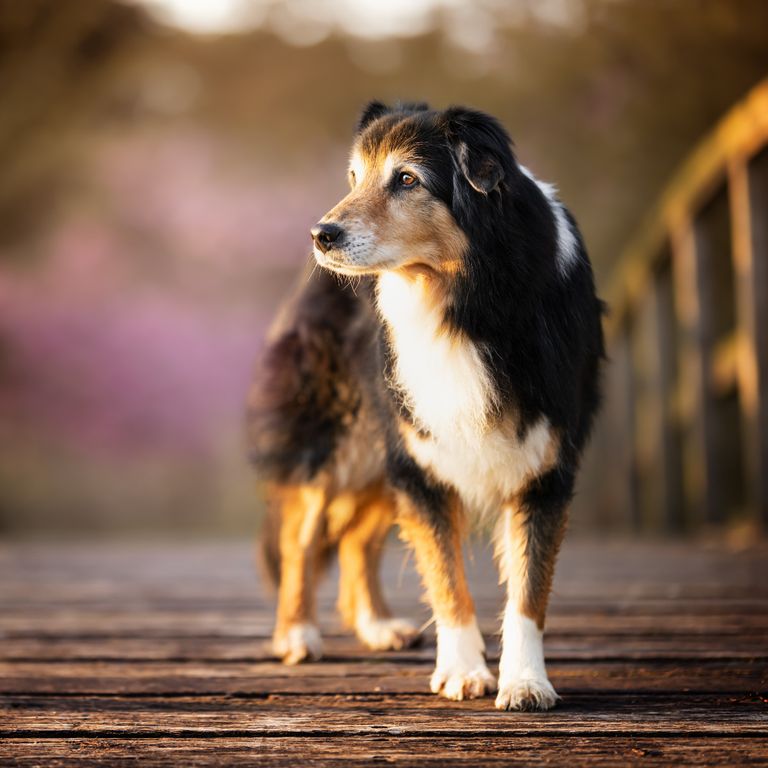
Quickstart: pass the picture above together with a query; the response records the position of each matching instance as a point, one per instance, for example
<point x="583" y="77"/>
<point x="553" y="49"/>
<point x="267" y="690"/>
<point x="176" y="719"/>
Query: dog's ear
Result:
<point x="373" y="111"/>
<point x="481" y="147"/>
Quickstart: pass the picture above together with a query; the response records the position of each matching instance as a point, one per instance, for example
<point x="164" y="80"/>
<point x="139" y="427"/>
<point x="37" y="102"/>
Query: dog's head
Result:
<point x="416" y="176"/>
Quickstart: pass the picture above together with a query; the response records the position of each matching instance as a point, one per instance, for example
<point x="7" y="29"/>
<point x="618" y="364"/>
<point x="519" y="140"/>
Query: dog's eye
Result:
<point x="406" y="179"/>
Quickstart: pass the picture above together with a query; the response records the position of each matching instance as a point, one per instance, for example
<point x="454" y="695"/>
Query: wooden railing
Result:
<point x="688" y="336"/>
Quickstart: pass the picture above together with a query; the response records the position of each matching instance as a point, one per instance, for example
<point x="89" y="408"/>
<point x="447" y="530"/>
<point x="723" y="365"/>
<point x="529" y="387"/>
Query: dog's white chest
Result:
<point x="442" y="377"/>
<point x="487" y="469"/>
<point x="452" y="398"/>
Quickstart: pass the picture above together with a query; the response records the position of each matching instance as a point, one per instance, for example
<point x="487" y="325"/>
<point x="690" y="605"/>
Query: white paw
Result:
<point x="386" y="634"/>
<point x="526" y="694"/>
<point x="460" y="672"/>
<point x="523" y="682"/>
<point x="301" y="642"/>
<point x="463" y="684"/>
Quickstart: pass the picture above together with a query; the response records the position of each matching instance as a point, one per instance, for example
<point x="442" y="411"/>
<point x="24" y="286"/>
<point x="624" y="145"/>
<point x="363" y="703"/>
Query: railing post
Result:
<point x="694" y="399"/>
<point x="666" y="343"/>
<point x="646" y="414"/>
<point x="628" y="384"/>
<point x="656" y="447"/>
<point x="608" y="491"/>
<point x="749" y="220"/>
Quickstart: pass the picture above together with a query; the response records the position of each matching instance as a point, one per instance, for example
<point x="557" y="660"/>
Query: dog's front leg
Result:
<point x="430" y="520"/>
<point x="528" y="537"/>
<point x="296" y="635"/>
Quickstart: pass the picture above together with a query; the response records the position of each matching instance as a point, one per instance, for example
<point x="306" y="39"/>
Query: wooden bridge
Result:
<point x="139" y="655"/>
<point x="687" y="410"/>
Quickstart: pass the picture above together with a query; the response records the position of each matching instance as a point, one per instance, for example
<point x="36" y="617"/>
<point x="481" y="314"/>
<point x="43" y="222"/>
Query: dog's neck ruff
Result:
<point x="440" y="373"/>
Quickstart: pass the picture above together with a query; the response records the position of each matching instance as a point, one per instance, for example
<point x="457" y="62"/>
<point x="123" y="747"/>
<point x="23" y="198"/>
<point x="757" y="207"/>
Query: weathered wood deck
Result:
<point x="145" y="654"/>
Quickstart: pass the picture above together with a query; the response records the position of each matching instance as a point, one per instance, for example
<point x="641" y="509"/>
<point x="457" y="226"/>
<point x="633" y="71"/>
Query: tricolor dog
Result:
<point x="441" y="368"/>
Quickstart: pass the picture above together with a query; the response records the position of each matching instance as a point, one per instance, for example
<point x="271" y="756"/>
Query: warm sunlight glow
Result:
<point x="366" y="18"/>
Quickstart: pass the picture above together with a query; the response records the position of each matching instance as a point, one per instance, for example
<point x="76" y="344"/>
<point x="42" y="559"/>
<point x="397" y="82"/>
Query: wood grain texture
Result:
<point x="124" y="655"/>
<point x="441" y="750"/>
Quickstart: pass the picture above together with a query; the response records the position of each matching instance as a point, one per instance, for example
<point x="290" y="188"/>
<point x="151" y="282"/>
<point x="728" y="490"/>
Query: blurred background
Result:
<point x="161" y="162"/>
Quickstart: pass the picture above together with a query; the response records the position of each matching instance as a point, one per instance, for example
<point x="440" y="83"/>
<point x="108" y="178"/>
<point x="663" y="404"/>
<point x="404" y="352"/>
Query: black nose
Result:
<point x="325" y="235"/>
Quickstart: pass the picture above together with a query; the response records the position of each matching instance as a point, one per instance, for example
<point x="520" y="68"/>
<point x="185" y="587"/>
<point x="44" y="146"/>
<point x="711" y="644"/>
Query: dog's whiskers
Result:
<point x="312" y="273"/>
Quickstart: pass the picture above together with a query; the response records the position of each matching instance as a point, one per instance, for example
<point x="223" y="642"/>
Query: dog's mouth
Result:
<point x="335" y="261"/>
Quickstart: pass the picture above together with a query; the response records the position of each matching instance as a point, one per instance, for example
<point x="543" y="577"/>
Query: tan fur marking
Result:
<point x="300" y="530"/>
<point x="529" y="591"/>
<point x="340" y="513"/>
<point x="439" y="560"/>
<point x="429" y="234"/>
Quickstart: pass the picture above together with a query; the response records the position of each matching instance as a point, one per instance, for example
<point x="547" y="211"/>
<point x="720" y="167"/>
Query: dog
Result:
<point x="442" y="367"/>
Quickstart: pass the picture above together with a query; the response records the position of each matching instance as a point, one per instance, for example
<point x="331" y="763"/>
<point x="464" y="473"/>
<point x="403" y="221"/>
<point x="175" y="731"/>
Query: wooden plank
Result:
<point x="221" y="624"/>
<point x="562" y="610"/>
<point x="611" y="750"/>
<point x="300" y="715"/>
<point x="735" y="586"/>
<point x="704" y="582"/>
<point x="563" y="647"/>
<point x="586" y="567"/>
<point x="216" y="677"/>
<point x="16" y="611"/>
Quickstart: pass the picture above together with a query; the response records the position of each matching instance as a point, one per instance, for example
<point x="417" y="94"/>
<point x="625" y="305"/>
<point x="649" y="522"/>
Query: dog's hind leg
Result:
<point x="302" y="522"/>
<point x="431" y="520"/>
<point x="361" y="602"/>
<point x="528" y="538"/>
